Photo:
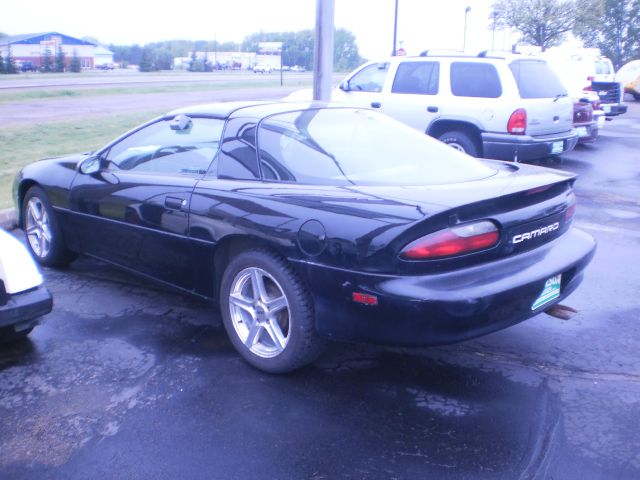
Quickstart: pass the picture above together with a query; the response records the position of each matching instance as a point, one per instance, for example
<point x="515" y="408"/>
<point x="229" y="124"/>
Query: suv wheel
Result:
<point x="460" y="141"/>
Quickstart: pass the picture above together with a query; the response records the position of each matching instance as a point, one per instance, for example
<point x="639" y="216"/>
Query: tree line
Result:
<point x="613" y="26"/>
<point x="297" y="49"/>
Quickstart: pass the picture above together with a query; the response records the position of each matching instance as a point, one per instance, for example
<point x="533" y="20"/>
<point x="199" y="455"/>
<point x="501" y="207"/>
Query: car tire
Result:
<point x="460" y="141"/>
<point x="42" y="230"/>
<point x="636" y="96"/>
<point x="9" y="335"/>
<point x="268" y="313"/>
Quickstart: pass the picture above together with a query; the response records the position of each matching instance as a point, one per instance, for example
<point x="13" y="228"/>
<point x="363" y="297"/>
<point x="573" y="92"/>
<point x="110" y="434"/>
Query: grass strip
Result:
<point x="40" y="94"/>
<point x="23" y="145"/>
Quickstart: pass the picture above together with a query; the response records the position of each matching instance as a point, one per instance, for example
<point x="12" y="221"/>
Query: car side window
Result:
<point x="238" y="159"/>
<point x="471" y="79"/>
<point x="419" y="78"/>
<point x="159" y="148"/>
<point x="369" y="79"/>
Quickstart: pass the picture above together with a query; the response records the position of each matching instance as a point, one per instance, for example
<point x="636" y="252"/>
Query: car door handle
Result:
<point x="432" y="109"/>
<point x="175" y="203"/>
<point x="376" y="104"/>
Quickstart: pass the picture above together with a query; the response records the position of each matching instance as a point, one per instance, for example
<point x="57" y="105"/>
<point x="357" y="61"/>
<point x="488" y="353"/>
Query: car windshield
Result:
<point x="358" y="147"/>
<point x="536" y="80"/>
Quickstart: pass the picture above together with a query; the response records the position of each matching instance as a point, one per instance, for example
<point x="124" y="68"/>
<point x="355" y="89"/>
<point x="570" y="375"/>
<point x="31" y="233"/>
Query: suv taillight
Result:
<point x="517" y="122"/>
<point x="453" y="241"/>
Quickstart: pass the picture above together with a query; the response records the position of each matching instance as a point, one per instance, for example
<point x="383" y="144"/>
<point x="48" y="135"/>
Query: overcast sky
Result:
<point x="422" y="24"/>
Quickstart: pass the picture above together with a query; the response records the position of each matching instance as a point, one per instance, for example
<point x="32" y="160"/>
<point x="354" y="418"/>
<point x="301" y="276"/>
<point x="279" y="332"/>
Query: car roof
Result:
<point x="256" y="109"/>
<point x="221" y="109"/>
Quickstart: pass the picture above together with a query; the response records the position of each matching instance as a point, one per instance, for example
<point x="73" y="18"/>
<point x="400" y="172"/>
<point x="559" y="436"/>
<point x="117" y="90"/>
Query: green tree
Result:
<point x="544" y="23"/>
<point x="195" y="65"/>
<point x="75" y="64"/>
<point x="2" y="68"/>
<point x="60" y="60"/>
<point x="346" y="56"/>
<point x="162" y="59"/>
<point x="47" y="60"/>
<point x="299" y="47"/>
<point x="10" y="63"/>
<point x="146" y="60"/>
<point x="613" y="26"/>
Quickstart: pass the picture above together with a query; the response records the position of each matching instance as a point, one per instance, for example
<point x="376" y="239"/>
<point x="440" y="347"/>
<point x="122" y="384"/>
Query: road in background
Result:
<point x="127" y="380"/>
<point x="25" y="82"/>
<point x="207" y="88"/>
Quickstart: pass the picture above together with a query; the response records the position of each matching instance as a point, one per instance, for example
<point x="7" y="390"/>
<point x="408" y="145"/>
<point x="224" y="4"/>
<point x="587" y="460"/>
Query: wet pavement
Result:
<point x="127" y="380"/>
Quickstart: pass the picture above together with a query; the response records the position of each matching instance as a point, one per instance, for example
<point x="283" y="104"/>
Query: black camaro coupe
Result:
<point x="309" y="222"/>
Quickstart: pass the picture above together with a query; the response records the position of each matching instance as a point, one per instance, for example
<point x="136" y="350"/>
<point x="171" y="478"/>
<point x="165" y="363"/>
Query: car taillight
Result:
<point x="595" y="104"/>
<point x="570" y="211"/>
<point x="517" y="122"/>
<point x="453" y="241"/>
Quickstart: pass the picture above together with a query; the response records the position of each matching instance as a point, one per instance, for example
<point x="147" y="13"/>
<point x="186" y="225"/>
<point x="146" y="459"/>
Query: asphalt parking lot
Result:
<point x="127" y="380"/>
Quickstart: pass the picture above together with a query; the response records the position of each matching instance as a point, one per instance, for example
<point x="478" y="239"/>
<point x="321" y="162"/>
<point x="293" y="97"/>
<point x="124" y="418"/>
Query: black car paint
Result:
<point x="127" y="219"/>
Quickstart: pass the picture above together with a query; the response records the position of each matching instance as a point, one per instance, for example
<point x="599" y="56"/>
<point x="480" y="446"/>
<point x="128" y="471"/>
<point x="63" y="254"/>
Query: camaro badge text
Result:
<point x="535" y="233"/>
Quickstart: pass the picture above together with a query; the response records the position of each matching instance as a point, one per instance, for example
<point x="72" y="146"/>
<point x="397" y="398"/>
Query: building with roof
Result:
<point x="32" y="47"/>
<point x="102" y="56"/>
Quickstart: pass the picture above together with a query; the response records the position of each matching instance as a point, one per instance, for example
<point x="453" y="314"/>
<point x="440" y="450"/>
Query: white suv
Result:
<point x="507" y="109"/>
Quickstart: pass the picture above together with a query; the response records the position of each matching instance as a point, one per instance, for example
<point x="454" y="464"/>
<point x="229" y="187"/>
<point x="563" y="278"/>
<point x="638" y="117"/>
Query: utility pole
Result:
<point x="464" y="38"/>
<point x="323" y="55"/>
<point x="395" y="31"/>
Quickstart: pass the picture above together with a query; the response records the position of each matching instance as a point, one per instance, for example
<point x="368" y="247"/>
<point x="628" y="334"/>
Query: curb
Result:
<point x="8" y="219"/>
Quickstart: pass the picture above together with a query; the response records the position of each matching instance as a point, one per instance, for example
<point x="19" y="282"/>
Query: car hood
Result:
<point x="67" y="161"/>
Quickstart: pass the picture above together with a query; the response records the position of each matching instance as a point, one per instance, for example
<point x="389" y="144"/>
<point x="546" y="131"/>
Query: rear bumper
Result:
<point x="613" y="109"/>
<point x="587" y="132"/>
<point x="447" y="307"/>
<point x="25" y="309"/>
<point x="503" y="146"/>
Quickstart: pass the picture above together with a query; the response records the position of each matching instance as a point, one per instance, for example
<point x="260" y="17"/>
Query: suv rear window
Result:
<point x="536" y="80"/>
<point x="470" y="79"/>
<point x="417" y="77"/>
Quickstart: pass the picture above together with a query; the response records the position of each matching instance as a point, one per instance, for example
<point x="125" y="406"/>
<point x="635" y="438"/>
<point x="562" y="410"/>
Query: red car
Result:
<point x="584" y="121"/>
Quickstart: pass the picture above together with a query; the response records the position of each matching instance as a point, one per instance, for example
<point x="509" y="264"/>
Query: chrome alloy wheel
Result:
<point x="38" y="227"/>
<point x="260" y="312"/>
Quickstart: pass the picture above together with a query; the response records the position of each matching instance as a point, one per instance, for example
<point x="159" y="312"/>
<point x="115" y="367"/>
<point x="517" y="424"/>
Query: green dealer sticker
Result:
<point x="550" y="292"/>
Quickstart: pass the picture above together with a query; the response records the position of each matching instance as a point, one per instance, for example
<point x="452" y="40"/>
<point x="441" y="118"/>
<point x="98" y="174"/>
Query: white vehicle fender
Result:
<point x="18" y="271"/>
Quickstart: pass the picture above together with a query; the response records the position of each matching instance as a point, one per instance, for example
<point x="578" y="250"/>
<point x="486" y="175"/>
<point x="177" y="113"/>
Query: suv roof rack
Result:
<point x="496" y="53"/>
<point x="443" y="53"/>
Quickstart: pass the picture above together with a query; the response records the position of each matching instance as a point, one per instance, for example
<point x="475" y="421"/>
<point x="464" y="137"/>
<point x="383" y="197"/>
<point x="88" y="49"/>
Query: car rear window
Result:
<point x="536" y="80"/>
<point x="471" y="79"/>
<point x="603" y="67"/>
<point x="345" y="146"/>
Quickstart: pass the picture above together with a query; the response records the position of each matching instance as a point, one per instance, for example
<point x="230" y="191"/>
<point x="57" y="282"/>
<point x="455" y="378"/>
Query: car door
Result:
<point x="413" y="97"/>
<point x="133" y="211"/>
<point x="365" y="87"/>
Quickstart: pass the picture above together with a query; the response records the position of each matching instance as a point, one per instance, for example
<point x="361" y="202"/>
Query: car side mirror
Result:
<point x="90" y="165"/>
<point x="181" y="123"/>
<point x="344" y="86"/>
